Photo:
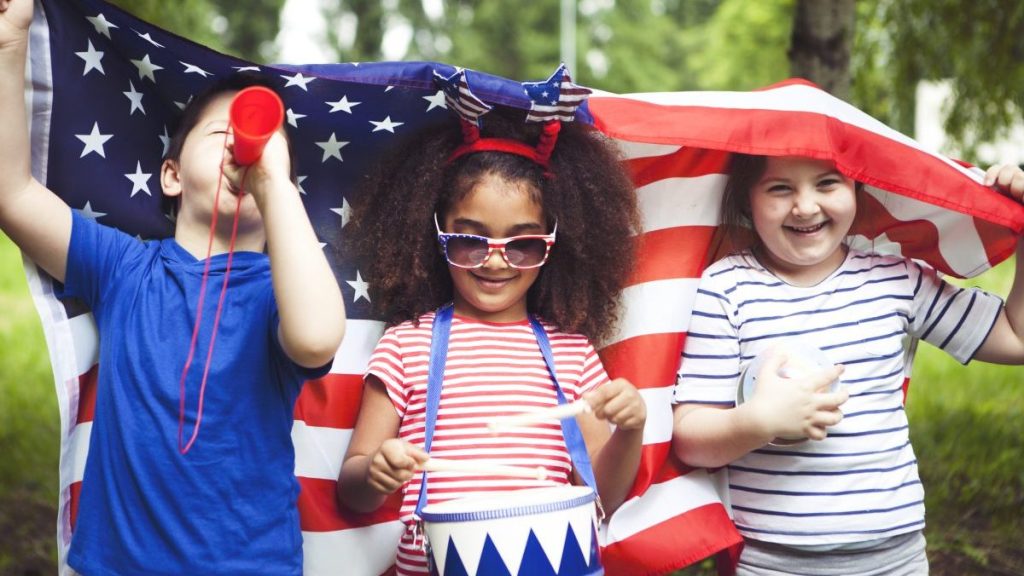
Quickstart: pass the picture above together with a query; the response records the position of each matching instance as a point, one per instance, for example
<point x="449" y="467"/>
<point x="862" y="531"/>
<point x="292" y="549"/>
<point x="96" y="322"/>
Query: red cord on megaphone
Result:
<point x="256" y="113"/>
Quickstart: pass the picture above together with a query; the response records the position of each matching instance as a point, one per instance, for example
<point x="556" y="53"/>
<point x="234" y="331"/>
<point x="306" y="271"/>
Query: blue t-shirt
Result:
<point x="228" y="506"/>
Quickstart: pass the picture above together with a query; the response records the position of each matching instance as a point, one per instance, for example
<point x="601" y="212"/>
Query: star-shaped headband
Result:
<point x="551" y="102"/>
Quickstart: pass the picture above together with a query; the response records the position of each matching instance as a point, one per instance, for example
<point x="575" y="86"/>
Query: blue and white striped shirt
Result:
<point x="861" y="483"/>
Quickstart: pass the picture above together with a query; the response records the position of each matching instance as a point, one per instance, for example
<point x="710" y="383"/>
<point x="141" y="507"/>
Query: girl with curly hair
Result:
<point x="511" y="222"/>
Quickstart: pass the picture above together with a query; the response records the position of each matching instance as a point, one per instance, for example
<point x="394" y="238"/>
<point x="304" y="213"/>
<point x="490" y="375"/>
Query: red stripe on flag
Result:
<point x="319" y="510"/>
<point x="331" y="402"/>
<point x="679" y="541"/>
<point x="998" y="244"/>
<point x="87" y="395"/>
<point x="685" y="162"/>
<point x="75" y="490"/>
<point x="652" y="463"/>
<point x="859" y="153"/>
<point x="671" y="253"/>
<point x="648" y="361"/>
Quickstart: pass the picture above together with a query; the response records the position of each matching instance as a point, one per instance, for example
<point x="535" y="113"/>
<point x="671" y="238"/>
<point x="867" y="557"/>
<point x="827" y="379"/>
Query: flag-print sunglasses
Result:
<point x="472" y="251"/>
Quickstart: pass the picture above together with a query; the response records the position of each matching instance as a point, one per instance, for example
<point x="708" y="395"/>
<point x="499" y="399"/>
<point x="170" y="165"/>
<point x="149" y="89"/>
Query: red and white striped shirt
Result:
<point x="493" y="369"/>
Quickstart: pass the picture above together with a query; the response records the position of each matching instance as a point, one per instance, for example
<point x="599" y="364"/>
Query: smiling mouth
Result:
<point x="807" y="229"/>
<point x="492" y="280"/>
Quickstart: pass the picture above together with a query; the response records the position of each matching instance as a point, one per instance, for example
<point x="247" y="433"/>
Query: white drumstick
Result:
<point x="559" y="412"/>
<point x="483" y="467"/>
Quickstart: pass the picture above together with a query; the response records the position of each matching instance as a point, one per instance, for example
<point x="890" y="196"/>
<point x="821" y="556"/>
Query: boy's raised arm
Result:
<point x="36" y="219"/>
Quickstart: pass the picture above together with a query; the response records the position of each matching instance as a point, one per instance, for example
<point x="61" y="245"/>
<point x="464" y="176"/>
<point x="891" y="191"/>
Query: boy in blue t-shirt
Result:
<point x="186" y="474"/>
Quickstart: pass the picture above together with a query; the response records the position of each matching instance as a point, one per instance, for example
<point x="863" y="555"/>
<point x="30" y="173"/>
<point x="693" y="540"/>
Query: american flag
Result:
<point x="104" y="88"/>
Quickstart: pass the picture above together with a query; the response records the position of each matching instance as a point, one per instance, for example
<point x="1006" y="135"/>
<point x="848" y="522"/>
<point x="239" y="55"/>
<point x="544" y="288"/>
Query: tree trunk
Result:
<point x="820" y="46"/>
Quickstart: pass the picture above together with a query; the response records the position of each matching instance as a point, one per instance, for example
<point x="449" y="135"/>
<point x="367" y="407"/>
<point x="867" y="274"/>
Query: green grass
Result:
<point x="29" y="428"/>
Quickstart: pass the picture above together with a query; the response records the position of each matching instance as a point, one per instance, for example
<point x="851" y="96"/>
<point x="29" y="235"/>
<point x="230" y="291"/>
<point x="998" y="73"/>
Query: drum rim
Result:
<point x="510" y="512"/>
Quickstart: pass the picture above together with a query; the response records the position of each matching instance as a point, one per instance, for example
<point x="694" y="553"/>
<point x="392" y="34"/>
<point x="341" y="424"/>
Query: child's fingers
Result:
<point x="1007" y="177"/>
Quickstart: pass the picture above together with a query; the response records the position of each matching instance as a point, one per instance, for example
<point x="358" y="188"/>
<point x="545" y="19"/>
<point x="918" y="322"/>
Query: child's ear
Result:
<point x="170" y="178"/>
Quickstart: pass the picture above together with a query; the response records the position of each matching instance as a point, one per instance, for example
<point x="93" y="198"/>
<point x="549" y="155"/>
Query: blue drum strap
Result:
<point x="440" y="333"/>
<point x="570" y="428"/>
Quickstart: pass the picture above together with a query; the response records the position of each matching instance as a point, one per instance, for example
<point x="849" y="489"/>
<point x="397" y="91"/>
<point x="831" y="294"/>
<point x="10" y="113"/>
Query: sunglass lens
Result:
<point x="467" y="250"/>
<point x="526" y="252"/>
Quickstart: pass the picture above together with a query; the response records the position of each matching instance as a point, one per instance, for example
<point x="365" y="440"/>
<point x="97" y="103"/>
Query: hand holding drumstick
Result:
<point x="618" y="402"/>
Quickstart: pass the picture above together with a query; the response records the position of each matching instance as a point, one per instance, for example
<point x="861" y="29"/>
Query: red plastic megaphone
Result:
<point x="256" y="113"/>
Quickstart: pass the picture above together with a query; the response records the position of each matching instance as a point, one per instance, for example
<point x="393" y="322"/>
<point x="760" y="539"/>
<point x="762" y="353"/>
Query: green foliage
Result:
<point x="977" y="44"/>
<point x="244" y="29"/>
<point x="743" y="46"/>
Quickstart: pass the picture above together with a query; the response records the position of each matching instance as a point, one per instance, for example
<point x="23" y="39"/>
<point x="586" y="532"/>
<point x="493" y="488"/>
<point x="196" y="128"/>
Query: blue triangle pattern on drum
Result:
<point x="573" y="561"/>
<point x="453" y="565"/>
<point x="491" y="562"/>
<point x="535" y="560"/>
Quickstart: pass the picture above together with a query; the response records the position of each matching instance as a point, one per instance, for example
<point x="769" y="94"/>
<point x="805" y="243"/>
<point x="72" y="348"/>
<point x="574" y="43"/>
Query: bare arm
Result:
<point x="711" y="436"/>
<point x="308" y="297"/>
<point x="615" y="455"/>
<point x="1005" y="343"/>
<point x="37" y="220"/>
<point x="377" y="462"/>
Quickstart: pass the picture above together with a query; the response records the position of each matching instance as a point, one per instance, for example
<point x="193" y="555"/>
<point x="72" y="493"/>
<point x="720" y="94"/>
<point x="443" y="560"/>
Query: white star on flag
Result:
<point x="293" y="118"/>
<point x="101" y="24"/>
<point x="298" y="183"/>
<point x="246" y="68"/>
<point x="436" y="101"/>
<point x="385" y="124"/>
<point x="146" y="68"/>
<point x="345" y="212"/>
<point x="149" y="39"/>
<point x="344" y="105"/>
<point x="94" y="141"/>
<point x="135" y="97"/>
<point x="140" y="180"/>
<point x="361" y="287"/>
<point x="298" y="80"/>
<point x="332" y="148"/>
<point x="92" y="59"/>
<point x="165" y="139"/>
<point x="193" y="69"/>
<point x="89" y="213"/>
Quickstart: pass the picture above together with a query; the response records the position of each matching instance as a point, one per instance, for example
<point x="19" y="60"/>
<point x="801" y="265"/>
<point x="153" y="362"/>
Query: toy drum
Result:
<point x="536" y="532"/>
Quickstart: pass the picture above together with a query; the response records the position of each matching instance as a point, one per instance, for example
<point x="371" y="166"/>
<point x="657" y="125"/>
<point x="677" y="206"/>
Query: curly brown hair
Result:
<point x="590" y="195"/>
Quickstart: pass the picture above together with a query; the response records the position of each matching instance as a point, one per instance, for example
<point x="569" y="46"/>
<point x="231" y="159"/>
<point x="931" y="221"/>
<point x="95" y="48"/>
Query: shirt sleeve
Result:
<point x="387" y="364"/>
<point x="709" y="369"/>
<point x="594" y="374"/>
<point x="954" y="319"/>
<point x="96" y="255"/>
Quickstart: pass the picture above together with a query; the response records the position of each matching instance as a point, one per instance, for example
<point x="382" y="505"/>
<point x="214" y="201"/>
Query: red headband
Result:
<point x="541" y="154"/>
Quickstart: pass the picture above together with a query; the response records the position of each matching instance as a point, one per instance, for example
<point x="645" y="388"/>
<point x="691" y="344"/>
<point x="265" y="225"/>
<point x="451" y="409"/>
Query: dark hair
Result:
<point x="590" y="195"/>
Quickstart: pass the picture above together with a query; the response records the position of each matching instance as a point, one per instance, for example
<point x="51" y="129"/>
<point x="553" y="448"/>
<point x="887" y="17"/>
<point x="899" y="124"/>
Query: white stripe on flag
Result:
<point x="959" y="242"/>
<point x="790" y="98"/>
<point x="87" y="342"/>
<point x="356" y="551"/>
<point x="76" y="448"/>
<point x="657" y="307"/>
<point x="319" y="450"/>
<point x="661" y="502"/>
<point x="673" y="202"/>
<point x="634" y="150"/>
<point x="658" y="428"/>
<point x="361" y="338"/>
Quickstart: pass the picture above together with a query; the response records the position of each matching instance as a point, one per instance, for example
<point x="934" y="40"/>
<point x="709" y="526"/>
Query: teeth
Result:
<point x="808" y="228"/>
